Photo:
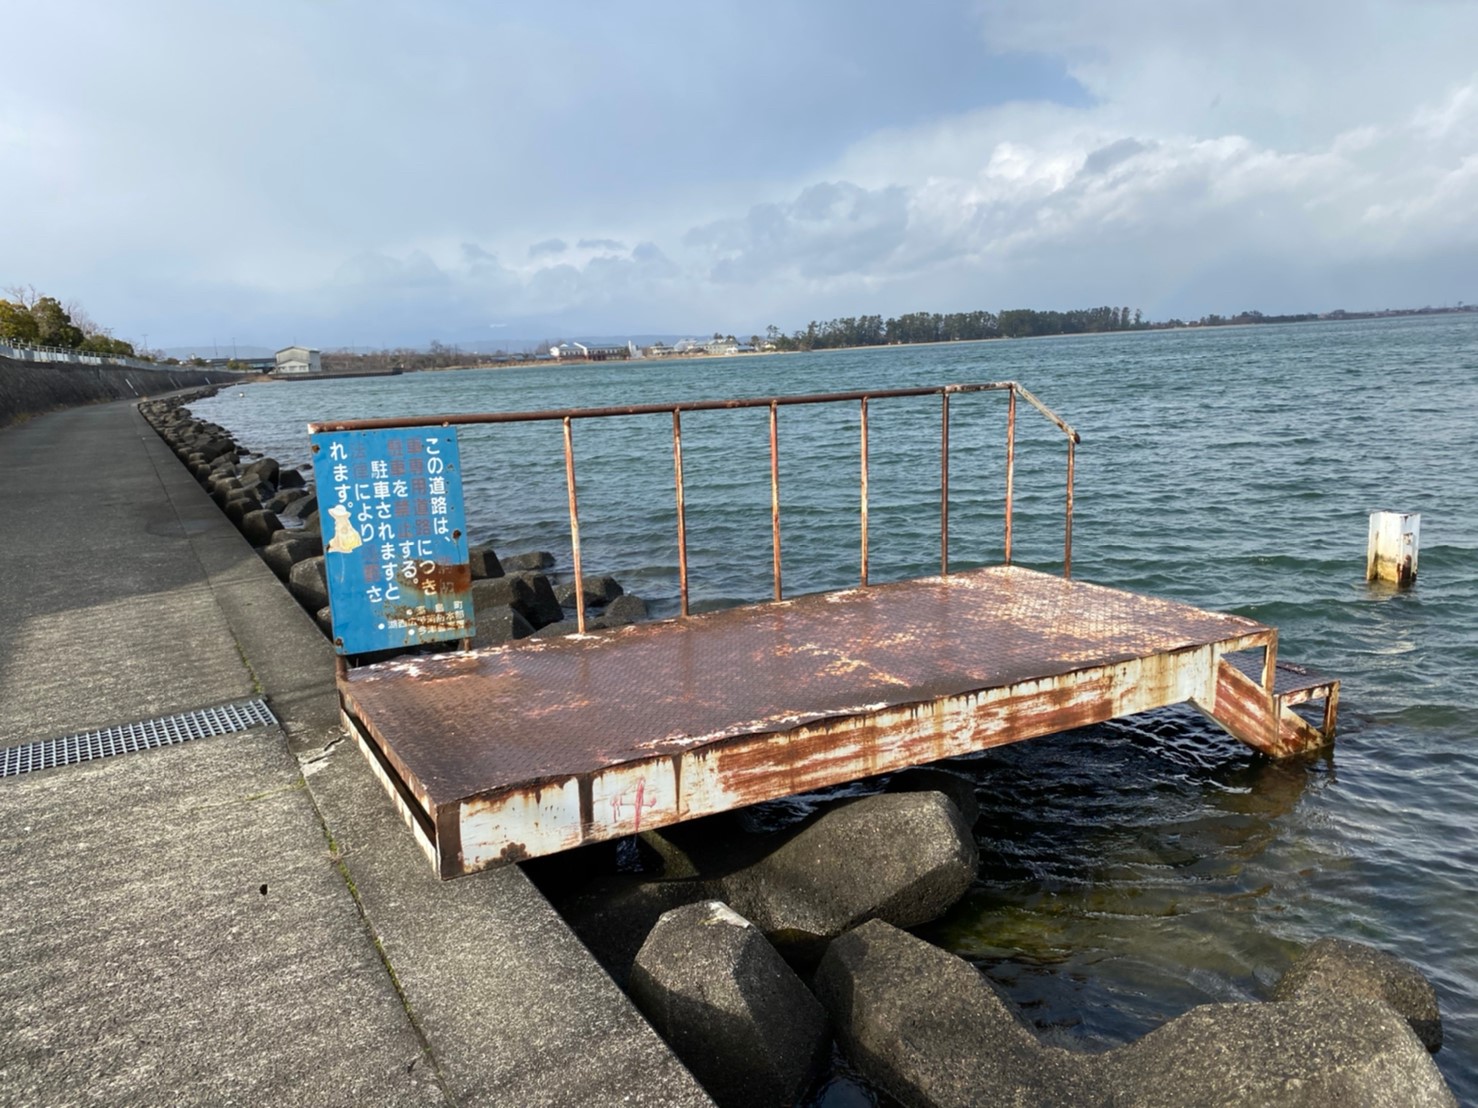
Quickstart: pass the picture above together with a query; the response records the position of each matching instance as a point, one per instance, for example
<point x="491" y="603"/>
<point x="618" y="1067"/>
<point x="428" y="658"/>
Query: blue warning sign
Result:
<point x="394" y="537"/>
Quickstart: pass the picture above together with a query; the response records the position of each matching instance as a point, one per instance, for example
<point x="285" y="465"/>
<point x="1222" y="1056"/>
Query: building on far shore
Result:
<point x="592" y="352"/>
<point x="298" y="359"/>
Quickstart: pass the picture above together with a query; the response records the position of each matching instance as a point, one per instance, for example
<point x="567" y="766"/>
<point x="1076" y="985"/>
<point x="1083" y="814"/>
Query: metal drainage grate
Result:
<point x="84" y="746"/>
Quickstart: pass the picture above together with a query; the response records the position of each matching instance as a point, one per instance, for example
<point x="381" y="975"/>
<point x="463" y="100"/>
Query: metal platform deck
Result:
<point x="538" y="746"/>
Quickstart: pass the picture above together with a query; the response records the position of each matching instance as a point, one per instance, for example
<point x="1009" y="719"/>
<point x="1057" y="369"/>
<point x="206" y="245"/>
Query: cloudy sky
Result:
<point x="373" y="172"/>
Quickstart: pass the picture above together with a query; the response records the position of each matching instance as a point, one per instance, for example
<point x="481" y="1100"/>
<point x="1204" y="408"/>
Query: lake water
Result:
<point x="1134" y="870"/>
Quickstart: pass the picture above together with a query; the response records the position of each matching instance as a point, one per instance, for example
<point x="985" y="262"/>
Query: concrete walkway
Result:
<point x="240" y="919"/>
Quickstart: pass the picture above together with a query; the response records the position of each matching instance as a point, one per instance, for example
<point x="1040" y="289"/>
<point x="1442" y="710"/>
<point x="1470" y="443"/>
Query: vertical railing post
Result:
<point x="864" y="490"/>
<point x="944" y="487"/>
<point x="1067" y="542"/>
<point x="775" y="493"/>
<point x="1010" y="463"/>
<point x="682" y="514"/>
<point x="574" y="527"/>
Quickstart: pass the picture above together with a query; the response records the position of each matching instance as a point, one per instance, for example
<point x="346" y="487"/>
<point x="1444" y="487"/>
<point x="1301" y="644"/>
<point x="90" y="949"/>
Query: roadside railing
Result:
<point x="568" y="417"/>
<point x="23" y="353"/>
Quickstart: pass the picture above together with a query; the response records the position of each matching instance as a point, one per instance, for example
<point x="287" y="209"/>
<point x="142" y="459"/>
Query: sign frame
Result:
<point x="395" y="537"/>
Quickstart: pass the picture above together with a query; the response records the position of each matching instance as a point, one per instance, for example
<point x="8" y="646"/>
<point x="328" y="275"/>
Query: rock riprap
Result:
<point x="730" y="1007"/>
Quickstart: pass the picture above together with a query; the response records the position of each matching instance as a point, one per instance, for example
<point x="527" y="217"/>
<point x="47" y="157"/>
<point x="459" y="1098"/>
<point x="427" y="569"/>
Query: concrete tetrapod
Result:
<point x="731" y="1009"/>
<point x="1353" y="969"/>
<point x="928" y="1028"/>
<point x="900" y="857"/>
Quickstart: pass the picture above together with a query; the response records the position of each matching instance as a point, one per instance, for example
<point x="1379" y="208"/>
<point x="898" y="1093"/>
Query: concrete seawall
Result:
<point x="30" y="388"/>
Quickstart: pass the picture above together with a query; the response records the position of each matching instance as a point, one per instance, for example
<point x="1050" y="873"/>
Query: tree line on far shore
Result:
<point x="30" y="319"/>
<point x="873" y="330"/>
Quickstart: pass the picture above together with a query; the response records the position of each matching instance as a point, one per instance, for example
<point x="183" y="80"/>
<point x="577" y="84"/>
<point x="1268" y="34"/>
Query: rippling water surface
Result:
<point x="1133" y="870"/>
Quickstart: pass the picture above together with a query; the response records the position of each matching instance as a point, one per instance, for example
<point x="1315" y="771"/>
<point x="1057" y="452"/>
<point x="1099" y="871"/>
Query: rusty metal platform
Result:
<point x="541" y="745"/>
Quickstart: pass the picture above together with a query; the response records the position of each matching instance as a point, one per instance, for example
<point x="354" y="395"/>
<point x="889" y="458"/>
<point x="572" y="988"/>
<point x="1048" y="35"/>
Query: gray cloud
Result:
<point x="831" y="229"/>
<point x="951" y="155"/>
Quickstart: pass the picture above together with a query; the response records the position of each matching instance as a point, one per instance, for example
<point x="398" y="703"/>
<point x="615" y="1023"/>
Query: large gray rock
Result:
<point x="264" y="469"/>
<point x="1326" y="1051"/>
<point x="956" y="786"/>
<point x="598" y="591"/>
<point x="709" y="847"/>
<point x="282" y="499"/>
<point x="221" y="487"/>
<point x="212" y="448"/>
<point x="483" y="560"/>
<point x="309" y="583"/>
<point x="288" y="548"/>
<point x="614" y="916"/>
<point x="1354" y="969"/>
<point x="290" y="479"/>
<point x="929" y="1029"/>
<point x="260" y="526"/>
<point x="240" y="505"/>
<point x="499" y="624"/>
<point x="622" y="610"/>
<point x="528" y="593"/>
<point x="731" y="1009"/>
<point x="562" y="627"/>
<point x="900" y="857"/>
<point x="303" y="507"/>
<point x="533" y="560"/>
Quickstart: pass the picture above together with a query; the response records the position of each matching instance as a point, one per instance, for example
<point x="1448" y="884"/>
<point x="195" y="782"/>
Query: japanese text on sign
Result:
<point x="395" y="550"/>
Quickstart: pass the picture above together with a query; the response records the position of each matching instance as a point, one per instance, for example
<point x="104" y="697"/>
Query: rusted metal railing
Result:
<point x="567" y="416"/>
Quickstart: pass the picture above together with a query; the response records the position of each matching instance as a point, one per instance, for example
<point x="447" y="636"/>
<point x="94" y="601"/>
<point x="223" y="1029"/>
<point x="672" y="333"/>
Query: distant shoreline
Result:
<point x="693" y="357"/>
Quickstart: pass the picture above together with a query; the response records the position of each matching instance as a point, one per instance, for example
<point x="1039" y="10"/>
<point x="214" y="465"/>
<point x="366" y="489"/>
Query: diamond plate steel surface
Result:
<point x="459" y="725"/>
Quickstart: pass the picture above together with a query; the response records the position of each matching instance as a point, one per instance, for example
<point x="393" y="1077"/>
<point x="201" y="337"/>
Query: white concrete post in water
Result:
<point x="1394" y="537"/>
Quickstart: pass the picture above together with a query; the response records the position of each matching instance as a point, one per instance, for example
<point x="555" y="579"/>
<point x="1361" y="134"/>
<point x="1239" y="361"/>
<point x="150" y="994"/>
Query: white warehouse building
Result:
<point x="298" y="359"/>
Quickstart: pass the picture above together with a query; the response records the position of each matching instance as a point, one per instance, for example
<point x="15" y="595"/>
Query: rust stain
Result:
<point x="443" y="579"/>
<point x="769" y="700"/>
